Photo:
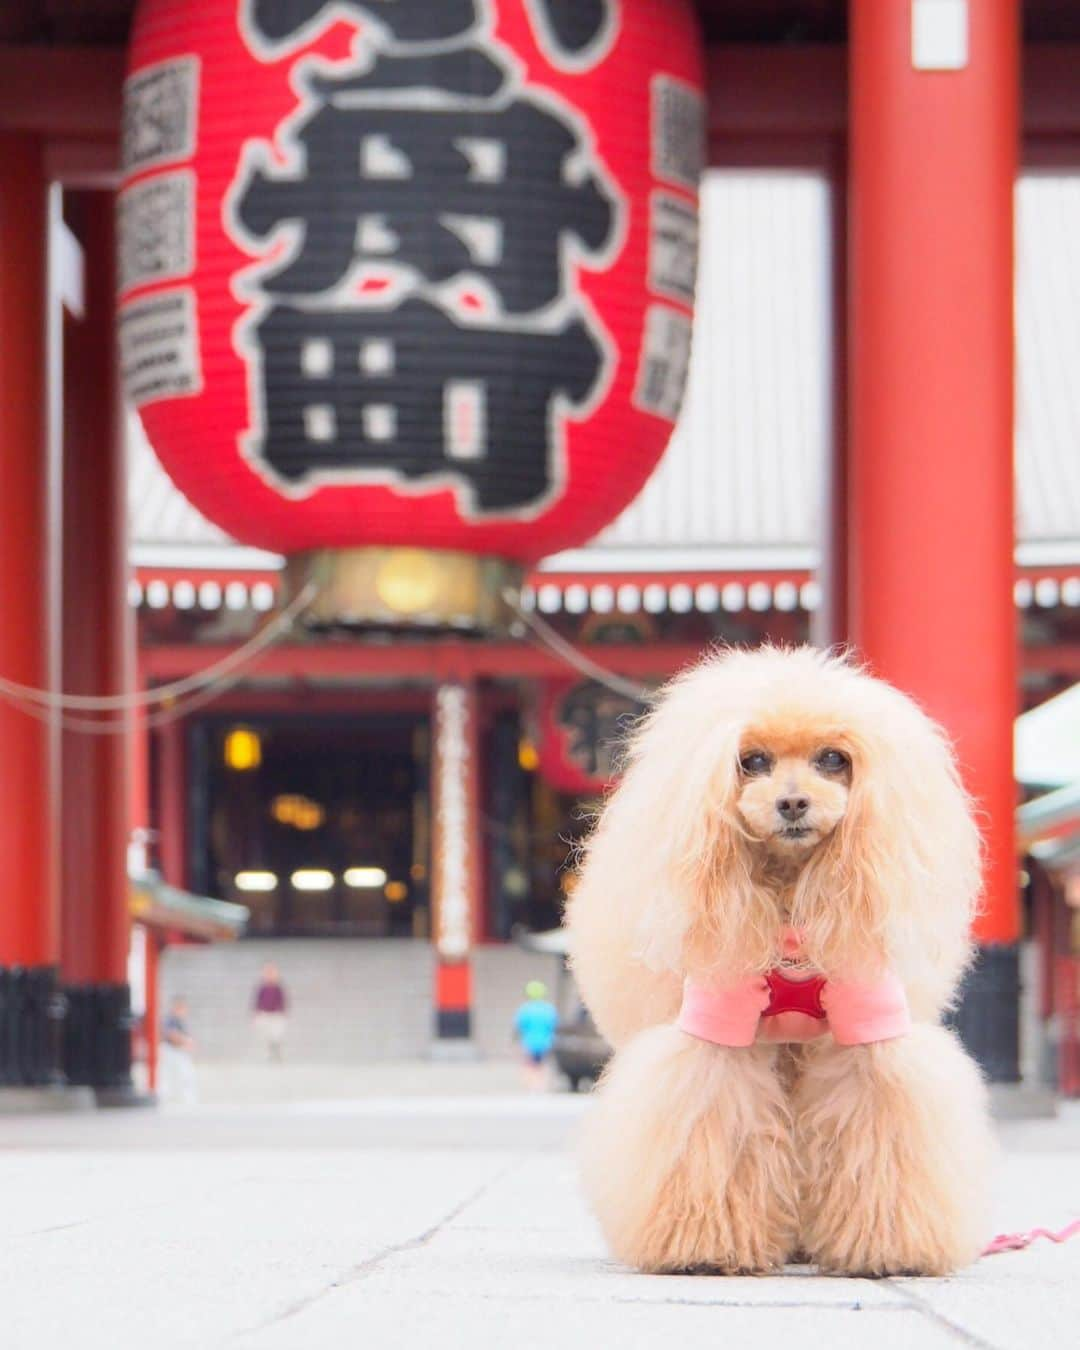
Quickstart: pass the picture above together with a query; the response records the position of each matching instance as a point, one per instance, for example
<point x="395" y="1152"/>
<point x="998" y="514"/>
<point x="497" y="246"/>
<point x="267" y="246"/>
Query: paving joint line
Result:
<point x="848" y="1305"/>
<point x="928" y="1310"/>
<point x="43" y="1232"/>
<point x="379" y="1258"/>
<point x="669" y="1301"/>
<point x="88" y="1219"/>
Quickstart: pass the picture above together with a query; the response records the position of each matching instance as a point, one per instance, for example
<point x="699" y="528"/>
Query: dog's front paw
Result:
<point x="716" y="1215"/>
<point x="894" y="1149"/>
<point x="687" y="1157"/>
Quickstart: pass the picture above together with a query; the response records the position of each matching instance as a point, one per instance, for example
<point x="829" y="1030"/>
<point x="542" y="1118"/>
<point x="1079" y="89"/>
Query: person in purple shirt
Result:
<point x="270" y="1012"/>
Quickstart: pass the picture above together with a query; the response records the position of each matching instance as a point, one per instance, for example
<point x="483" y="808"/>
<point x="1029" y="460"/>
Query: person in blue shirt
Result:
<point x="534" y="1027"/>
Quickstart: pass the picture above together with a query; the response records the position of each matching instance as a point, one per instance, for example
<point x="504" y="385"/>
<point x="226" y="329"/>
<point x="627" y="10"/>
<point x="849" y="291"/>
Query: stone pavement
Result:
<point x="439" y="1220"/>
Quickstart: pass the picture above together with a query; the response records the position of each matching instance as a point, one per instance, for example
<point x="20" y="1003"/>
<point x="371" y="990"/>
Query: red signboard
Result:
<point x="583" y="727"/>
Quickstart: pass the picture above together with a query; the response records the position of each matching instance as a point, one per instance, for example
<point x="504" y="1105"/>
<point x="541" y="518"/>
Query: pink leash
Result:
<point x="1016" y="1242"/>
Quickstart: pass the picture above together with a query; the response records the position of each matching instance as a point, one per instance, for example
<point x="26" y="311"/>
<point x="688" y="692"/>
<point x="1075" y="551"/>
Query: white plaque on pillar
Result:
<point x="939" y="34"/>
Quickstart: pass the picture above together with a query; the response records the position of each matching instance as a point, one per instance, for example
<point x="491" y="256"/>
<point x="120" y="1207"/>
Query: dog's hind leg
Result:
<point x="687" y="1156"/>
<point x="894" y="1148"/>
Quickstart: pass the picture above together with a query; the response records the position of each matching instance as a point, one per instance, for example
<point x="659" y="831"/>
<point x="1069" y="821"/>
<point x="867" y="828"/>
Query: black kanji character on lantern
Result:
<point x="469" y="72"/>
<point x="408" y="20"/>
<point x="573" y="25"/>
<point x="596" y="722"/>
<point x="465" y="188"/>
<point x="407" y="393"/>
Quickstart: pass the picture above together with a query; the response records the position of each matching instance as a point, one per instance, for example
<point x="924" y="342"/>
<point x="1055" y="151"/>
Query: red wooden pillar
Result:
<point x="933" y="159"/>
<point x="171" y="815"/>
<point x="152" y="1011"/>
<point x="139" y="861"/>
<point x="29" y="928"/>
<point x="829" y="624"/>
<point x="97" y="660"/>
<point x="455" y="863"/>
<point x="140" y="833"/>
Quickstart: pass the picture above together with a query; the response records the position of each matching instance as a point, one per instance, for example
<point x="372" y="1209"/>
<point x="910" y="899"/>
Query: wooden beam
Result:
<point x="757" y="93"/>
<point x="1062" y="659"/>
<point x="429" y="660"/>
<point x="768" y="105"/>
<point x="434" y="660"/>
<point x="62" y="91"/>
<point x="775" y="106"/>
<point x="776" y="91"/>
<point x="1051" y="89"/>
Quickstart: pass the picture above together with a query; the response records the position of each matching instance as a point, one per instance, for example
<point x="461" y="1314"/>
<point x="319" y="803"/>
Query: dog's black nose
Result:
<point x="793" y="808"/>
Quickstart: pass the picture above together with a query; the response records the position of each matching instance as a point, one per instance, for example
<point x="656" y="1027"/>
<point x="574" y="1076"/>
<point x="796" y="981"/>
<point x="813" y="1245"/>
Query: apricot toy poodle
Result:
<point x="771" y="917"/>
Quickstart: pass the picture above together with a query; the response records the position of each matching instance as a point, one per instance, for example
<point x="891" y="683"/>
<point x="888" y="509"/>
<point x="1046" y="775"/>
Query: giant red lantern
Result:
<point x="413" y="273"/>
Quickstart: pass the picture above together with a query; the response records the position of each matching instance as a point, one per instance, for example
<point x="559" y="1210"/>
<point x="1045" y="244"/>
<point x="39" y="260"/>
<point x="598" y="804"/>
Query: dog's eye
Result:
<point x="833" y="761"/>
<point x="755" y="763"/>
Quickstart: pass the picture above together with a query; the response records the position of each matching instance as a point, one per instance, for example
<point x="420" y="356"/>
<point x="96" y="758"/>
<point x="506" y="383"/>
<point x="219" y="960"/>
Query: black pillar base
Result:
<point x="31" y="1027"/>
<point x="988" y="1015"/>
<point x="97" y="1036"/>
<point x="453" y="1024"/>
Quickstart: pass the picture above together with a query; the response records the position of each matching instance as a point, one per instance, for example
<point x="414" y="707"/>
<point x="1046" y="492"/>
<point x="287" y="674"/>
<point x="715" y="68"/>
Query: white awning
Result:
<point x="1047" y="742"/>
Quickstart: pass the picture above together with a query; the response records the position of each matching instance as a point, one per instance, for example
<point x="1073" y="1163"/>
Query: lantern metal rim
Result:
<point x="405" y="588"/>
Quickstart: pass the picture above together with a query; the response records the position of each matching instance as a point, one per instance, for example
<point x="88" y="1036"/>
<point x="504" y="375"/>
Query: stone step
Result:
<point x="351" y="999"/>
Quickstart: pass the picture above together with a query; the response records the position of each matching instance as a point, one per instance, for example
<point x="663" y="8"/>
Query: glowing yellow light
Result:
<point x="312" y="879"/>
<point x="255" y="881"/>
<point x="300" y="812"/>
<point x="243" y="749"/>
<point x="528" y="758"/>
<point x="396" y="891"/>
<point x="418" y="871"/>
<point x="408" y="581"/>
<point x="365" y="878"/>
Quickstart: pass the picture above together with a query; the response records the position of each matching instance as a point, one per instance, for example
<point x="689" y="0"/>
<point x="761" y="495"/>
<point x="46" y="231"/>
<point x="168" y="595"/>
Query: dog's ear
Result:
<point x="666" y="864"/>
<point x="898" y="881"/>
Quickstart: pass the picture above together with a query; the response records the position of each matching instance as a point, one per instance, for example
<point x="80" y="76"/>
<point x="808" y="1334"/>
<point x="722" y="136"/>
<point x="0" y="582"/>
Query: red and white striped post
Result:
<point x="455" y="860"/>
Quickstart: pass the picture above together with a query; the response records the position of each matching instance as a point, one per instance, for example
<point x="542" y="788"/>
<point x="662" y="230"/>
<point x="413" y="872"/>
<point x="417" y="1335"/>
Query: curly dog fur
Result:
<point x="769" y="790"/>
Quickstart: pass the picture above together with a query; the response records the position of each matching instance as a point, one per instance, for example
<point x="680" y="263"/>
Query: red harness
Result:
<point x="788" y="995"/>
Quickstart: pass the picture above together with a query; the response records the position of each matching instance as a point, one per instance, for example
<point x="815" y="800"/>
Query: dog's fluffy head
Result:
<point x="767" y="787"/>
